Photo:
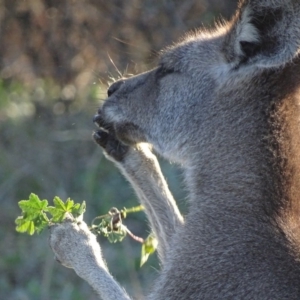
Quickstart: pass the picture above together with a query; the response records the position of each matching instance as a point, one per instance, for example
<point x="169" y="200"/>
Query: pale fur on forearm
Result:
<point x="104" y="284"/>
<point x="141" y="168"/>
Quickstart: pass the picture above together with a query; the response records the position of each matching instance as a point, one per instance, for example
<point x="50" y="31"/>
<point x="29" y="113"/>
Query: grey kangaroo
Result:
<point x="225" y="105"/>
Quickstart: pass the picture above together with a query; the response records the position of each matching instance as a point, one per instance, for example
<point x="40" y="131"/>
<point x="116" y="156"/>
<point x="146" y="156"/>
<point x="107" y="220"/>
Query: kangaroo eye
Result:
<point x="163" y="71"/>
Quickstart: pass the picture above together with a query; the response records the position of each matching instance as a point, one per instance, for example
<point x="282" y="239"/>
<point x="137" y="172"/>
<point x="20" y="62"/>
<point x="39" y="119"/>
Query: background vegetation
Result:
<point x="56" y="60"/>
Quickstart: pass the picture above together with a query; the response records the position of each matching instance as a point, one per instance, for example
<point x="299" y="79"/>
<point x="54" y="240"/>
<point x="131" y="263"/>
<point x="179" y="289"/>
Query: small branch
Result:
<point x="134" y="237"/>
<point x="99" y="217"/>
<point x="134" y="209"/>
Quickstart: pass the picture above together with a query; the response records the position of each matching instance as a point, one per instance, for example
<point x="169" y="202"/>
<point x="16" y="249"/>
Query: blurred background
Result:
<point x="57" y="59"/>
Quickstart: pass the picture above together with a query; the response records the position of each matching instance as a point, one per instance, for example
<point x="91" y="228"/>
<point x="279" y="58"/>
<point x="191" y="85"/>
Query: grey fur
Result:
<point x="225" y="106"/>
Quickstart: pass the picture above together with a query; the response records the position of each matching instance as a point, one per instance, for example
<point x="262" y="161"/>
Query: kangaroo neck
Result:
<point x="248" y="171"/>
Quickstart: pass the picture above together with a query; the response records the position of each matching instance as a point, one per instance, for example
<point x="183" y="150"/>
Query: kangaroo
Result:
<point x="224" y="104"/>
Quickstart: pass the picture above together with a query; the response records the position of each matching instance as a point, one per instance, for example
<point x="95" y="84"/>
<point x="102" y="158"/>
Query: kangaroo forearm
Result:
<point x="156" y="197"/>
<point x="104" y="284"/>
<point x="143" y="171"/>
<point x="163" y="215"/>
<point x="154" y="223"/>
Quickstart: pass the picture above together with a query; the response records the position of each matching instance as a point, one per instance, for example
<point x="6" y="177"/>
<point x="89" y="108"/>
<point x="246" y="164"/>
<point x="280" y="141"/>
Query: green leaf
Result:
<point x="41" y="222"/>
<point x="116" y="236"/>
<point x="24" y="225"/>
<point x="33" y="215"/>
<point x="149" y="246"/>
<point x="78" y="209"/>
<point x="57" y="214"/>
<point x="59" y="210"/>
<point x="59" y="204"/>
<point x="69" y="205"/>
<point x="33" y="206"/>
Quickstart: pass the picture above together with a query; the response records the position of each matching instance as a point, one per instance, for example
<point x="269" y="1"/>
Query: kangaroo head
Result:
<point x="202" y="77"/>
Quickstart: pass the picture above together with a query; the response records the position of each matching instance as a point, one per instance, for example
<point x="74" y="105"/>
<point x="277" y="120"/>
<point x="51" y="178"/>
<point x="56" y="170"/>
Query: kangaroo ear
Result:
<point x="265" y="33"/>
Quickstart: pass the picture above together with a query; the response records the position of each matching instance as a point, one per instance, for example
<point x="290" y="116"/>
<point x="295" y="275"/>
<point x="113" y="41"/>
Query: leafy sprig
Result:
<point x="37" y="215"/>
<point x="112" y="227"/>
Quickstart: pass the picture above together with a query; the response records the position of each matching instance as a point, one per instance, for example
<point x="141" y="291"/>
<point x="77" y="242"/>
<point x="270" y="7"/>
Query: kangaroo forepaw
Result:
<point x="106" y="138"/>
<point x="99" y="121"/>
<point x="74" y="245"/>
<point x="113" y="147"/>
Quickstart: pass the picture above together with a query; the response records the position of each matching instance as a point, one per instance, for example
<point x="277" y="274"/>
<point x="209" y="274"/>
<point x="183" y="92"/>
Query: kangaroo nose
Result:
<point x="114" y="87"/>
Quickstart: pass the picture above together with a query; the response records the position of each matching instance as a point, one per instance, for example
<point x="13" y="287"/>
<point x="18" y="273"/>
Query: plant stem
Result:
<point x="134" y="209"/>
<point x="99" y="217"/>
<point x="134" y="237"/>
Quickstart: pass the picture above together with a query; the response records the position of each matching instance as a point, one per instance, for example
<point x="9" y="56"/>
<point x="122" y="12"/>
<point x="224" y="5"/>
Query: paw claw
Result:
<point x="98" y="120"/>
<point x="101" y="138"/>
